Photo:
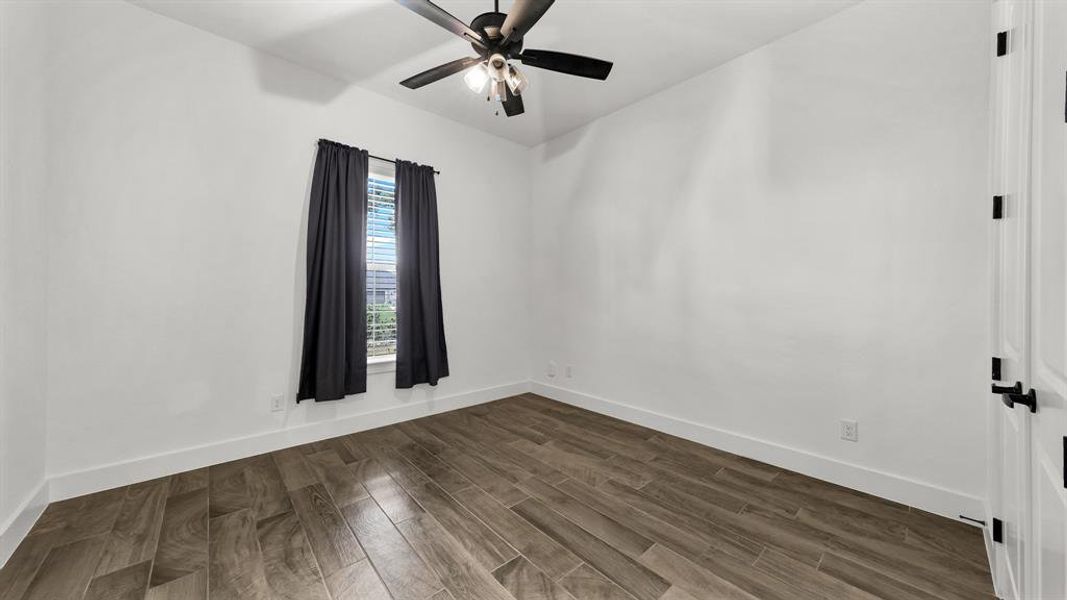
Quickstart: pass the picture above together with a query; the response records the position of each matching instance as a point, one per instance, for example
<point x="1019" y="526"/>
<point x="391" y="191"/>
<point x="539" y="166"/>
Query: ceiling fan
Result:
<point x="497" y="38"/>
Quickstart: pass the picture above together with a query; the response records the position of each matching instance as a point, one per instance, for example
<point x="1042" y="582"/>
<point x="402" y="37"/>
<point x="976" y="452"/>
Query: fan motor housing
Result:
<point x="489" y="24"/>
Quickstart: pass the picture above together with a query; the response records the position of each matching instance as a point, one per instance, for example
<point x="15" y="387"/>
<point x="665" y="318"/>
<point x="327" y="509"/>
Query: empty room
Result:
<point x="533" y="300"/>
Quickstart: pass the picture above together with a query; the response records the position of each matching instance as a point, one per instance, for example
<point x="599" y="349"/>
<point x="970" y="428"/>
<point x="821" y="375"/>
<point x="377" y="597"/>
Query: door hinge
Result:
<point x="1002" y="43"/>
<point x="998" y="207"/>
<point x="996" y="368"/>
<point x="998" y="531"/>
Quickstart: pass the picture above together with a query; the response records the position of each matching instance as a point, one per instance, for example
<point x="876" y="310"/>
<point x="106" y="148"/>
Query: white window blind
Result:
<point x="381" y="266"/>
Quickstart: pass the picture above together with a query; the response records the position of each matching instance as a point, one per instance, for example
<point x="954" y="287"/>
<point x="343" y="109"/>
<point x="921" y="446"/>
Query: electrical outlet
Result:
<point x="277" y="403"/>
<point x="850" y="430"/>
<point x="568" y="371"/>
<point x="551" y="369"/>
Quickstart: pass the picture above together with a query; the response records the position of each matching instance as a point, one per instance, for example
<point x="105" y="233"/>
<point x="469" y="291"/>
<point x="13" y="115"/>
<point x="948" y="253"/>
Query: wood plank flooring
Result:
<point x="519" y="499"/>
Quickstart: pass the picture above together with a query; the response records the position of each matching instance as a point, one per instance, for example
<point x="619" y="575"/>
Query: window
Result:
<point x="381" y="267"/>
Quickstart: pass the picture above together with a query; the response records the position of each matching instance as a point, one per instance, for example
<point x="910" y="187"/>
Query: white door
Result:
<point x="1009" y="449"/>
<point x="1048" y="364"/>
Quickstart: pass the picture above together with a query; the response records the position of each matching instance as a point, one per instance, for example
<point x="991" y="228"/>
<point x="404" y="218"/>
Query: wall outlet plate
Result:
<point x="850" y="430"/>
<point x="568" y="371"/>
<point x="277" y="403"/>
<point x="550" y="370"/>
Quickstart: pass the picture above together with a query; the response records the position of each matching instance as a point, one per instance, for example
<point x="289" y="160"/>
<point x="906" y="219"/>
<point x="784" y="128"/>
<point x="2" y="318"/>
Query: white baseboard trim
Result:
<point x="920" y="494"/>
<point x="19" y="524"/>
<point x="905" y="490"/>
<point x="77" y="483"/>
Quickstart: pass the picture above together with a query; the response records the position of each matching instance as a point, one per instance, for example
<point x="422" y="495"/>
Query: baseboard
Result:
<point x="920" y="494"/>
<point x="905" y="490"/>
<point x="69" y="485"/>
<point x="19" y="524"/>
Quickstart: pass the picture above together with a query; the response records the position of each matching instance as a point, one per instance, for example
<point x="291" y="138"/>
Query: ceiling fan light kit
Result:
<point x="498" y="38"/>
<point x="497" y="66"/>
<point x="516" y="80"/>
<point x="476" y="78"/>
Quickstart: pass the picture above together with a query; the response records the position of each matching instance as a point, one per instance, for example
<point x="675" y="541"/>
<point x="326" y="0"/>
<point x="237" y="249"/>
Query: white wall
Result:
<point x="796" y="237"/>
<point x="180" y="165"/>
<point x="22" y="271"/>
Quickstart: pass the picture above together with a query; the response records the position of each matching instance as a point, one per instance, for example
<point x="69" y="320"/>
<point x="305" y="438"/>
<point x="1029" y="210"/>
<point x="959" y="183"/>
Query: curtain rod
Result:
<point x="393" y="160"/>
<point x="369" y="155"/>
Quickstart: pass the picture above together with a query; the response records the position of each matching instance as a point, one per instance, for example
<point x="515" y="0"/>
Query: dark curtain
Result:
<point x="334" y="363"/>
<point x="421" y="355"/>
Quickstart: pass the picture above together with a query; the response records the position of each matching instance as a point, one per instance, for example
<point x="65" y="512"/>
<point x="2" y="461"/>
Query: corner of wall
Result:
<point x="15" y="529"/>
<point x="23" y="243"/>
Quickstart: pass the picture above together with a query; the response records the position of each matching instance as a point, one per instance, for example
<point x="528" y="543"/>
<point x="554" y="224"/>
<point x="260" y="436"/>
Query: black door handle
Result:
<point x="1029" y="400"/>
<point x="1015" y="389"/>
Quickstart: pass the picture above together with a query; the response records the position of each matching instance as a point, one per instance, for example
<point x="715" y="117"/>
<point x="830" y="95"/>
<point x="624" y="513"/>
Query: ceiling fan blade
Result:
<point x="571" y="64"/>
<point x="512" y="104"/>
<point x="439" y="72"/>
<point x="524" y="14"/>
<point x="442" y="17"/>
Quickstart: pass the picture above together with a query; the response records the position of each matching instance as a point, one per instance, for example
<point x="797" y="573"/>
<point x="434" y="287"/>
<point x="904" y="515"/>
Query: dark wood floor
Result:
<point x="522" y="498"/>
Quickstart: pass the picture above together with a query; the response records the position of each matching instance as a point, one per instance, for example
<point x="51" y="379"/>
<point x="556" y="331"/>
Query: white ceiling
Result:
<point x="376" y="43"/>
